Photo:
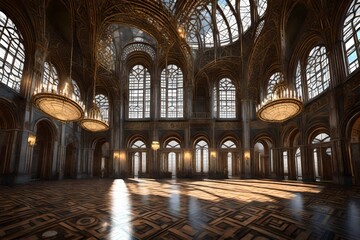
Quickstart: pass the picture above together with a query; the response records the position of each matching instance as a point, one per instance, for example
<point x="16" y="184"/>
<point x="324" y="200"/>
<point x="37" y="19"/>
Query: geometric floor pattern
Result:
<point x="179" y="209"/>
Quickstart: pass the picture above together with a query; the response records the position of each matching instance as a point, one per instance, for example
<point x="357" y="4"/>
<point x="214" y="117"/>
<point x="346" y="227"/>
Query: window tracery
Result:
<point x="202" y="157"/>
<point x="298" y="82"/>
<point x="274" y="79"/>
<point x="103" y="103"/>
<point x="76" y="90"/>
<point x="138" y="47"/>
<point x="50" y="77"/>
<point x="225" y="99"/>
<point x="351" y="36"/>
<point x="139" y="157"/>
<point x="172" y="90"/>
<point x="317" y="71"/>
<point x="12" y="53"/>
<point x="217" y="23"/>
<point x="139" y="92"/>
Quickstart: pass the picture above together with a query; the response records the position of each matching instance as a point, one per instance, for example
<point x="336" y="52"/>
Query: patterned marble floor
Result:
<point x="178" y="209"/>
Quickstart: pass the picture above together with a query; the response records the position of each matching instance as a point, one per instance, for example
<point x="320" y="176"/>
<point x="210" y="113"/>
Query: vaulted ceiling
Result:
<point x="248" y="52"/>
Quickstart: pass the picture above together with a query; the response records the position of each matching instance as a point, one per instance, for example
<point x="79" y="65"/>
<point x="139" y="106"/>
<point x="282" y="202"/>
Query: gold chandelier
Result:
<point x="280" y="106"/>
<point x="93" y="121"/>
<point x="62" y="105"/>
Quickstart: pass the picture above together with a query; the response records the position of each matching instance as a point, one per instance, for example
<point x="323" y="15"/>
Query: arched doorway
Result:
<point x="7" y="126"/>
<point x="202" y="158"/>
<point x="322" y="157"/>
<point x="70" y="161"/>
<point x="355" y="150"/>
<point x="43" y="153"/>
<point x="101" y="166"/>
<point x="298" y="164"/>
<point x="228" y="158"/>
<point x="263" y="161"/>
<point x="291" y="155"/>
<point x="171" y="162"/>
<point x="138" y="159"/>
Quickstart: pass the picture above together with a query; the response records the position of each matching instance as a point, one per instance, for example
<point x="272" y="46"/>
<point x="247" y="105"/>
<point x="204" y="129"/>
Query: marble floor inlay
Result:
<point x="178" y="209"/>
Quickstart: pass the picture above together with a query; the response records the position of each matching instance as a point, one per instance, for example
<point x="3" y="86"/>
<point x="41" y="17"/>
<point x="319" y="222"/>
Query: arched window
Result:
<point x="225" y="99"/>
<point x="138" y="157"/>
<point x="321" y="138"/>
<point x="322" y="156"/>
<point x="215" y="22"/>
<point x="259" y="28"/>
<point x="229" y="155"/>
<point x="12" y="53"/>
<point x="50" y="78"/>
<point x="172" y="91"/>
<point x="139" y="92"/>
<point x="298" y="164"/>
<point x="103" y="103"/>
<point x="245" y="14"/>
<point x="261" y="7"/>
<point x="173" y="157"/>
<point x="317" y="72"/>
<point x="351" y="36"/>
<point x="76" y="90"/>
<point x="274" y="79"/>
<point x="298" y="80"/>
<point x="202" y="157"/>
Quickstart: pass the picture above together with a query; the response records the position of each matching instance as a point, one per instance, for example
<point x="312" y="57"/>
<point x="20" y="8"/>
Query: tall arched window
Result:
<point x="139" y="92"/>
<point x="298" y="164"/>
<point x="12" y="53"/>
<point x="273" y="80"/>
<point x="172" y="91"/>
<point x="202" y="157"/>
<point x="221" y="22"/>
<point x="227" y="145"/>
<point x="261" y="7"/>
<point x="245" y="14"/>
<point x="351" y="36"/>
<point x="298" y="80"/>
<point x="103" y="103"/>
<point x="225" y="99"/>
<point x="50" y="78"/>
<point x="138" y="157"/>
<point x="317" y="72"/>
<point x="76" y="90"/>
<point x="173" y="158"/>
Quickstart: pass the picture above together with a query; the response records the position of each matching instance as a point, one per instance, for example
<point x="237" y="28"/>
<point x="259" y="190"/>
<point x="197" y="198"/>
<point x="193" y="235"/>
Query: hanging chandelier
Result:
<point x="93" y="121"/>
<point x="62" y="104"/>
<point x="280" y="106"/>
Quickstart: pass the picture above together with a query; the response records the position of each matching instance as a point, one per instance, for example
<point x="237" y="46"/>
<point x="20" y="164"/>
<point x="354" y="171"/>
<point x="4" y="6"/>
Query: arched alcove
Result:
<point x="43" y="153"/>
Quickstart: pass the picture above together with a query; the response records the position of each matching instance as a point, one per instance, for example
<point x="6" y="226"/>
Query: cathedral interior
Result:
<point x="180" y="119"/>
